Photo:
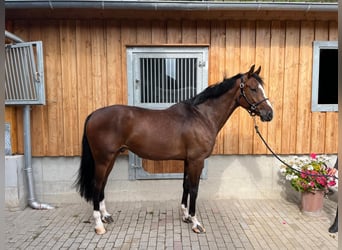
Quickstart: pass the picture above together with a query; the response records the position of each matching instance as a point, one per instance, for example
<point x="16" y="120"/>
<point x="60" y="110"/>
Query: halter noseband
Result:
<point x="252" y="106"/>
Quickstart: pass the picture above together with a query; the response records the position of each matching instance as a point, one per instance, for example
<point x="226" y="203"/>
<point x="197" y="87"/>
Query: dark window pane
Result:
<point x="328" y="87"/>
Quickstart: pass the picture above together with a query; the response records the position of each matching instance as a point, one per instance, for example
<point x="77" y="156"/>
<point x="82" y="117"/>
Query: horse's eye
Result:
<point x="254" y="90"/>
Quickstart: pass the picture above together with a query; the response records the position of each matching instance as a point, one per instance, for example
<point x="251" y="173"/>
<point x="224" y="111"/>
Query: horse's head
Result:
<point x="252" y="95"/>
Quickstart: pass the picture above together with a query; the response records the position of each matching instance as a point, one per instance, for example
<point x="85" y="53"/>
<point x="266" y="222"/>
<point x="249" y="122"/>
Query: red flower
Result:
<point x="322" y="181"/>
<point x="332" y="183"/>
<point x="313" y="156"/>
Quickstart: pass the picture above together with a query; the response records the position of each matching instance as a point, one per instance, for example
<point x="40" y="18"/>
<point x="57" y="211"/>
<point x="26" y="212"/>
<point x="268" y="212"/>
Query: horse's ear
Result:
<point x="258" y="71"/>
<point x="250" y="72"/>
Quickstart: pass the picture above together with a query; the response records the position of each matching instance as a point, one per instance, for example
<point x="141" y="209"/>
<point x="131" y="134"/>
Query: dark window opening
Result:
<point x="327" y="83"/>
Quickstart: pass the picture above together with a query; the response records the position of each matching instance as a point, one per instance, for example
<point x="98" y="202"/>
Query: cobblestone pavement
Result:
<point x="230" y="224"/>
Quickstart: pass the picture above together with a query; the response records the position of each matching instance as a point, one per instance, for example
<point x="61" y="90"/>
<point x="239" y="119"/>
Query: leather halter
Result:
<point x="252" y="106"/>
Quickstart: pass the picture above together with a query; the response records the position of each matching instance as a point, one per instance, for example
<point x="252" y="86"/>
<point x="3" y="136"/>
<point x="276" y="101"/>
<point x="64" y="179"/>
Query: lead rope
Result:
<point x="282" y="161"/>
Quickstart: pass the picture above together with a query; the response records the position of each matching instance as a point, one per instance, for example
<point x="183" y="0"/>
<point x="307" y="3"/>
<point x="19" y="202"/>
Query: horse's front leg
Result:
<point x="195" y="170"/>
<point x="196" y="225"/>
<point x="186" y="185"/>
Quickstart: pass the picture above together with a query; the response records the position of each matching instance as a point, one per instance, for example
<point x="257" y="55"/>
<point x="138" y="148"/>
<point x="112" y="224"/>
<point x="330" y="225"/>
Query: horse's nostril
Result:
<point x="266" y="115"/>
<point x="270" y="115"/>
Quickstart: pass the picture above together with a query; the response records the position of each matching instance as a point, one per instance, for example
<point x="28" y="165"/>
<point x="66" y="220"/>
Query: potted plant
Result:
<point x="311" y="176"/>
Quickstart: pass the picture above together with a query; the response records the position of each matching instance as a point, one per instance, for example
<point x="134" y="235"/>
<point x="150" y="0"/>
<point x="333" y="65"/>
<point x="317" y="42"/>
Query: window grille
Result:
<point x="168" y="80"/>
<point x="24" y="74"/>
<point x="161" y="76"/>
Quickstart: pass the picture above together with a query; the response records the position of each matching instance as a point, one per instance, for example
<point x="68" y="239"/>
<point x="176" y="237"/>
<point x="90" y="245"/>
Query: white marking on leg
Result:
<point x="99" y="228"/>
<point x="196" y="226"/>
<point x="186" y="216"/>
<point x="103" y="210"/>
<point x="97" y="217"/>
<point x="195" y="222"/>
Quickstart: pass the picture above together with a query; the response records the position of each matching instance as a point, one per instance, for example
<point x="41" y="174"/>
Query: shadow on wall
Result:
<point x="287" y="192"/>
<point x="242" y="177"/>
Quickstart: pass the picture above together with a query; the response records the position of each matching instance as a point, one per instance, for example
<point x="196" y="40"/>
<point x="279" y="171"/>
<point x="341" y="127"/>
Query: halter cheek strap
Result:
<point x="252" y="106"/>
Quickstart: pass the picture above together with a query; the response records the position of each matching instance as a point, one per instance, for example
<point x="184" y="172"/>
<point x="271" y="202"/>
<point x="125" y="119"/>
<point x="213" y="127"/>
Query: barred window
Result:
<point x="168" y="80"/>
<point x="161" y="76"/>
<point x="24" y="73"/>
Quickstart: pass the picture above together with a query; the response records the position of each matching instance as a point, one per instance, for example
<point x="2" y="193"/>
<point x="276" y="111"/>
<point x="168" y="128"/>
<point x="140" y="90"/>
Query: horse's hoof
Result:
<point x="198" y="229"/>
<point x="186" y="219"/>
<point x="333" y="228"/>
<point x="100" y="230"/>
<point x="107" y="219"/>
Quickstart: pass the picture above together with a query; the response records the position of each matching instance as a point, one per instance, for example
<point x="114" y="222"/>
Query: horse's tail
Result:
<point x="85" y="181"/>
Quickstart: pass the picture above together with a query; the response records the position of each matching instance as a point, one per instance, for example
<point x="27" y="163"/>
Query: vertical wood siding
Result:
<point x="85" y="69"/>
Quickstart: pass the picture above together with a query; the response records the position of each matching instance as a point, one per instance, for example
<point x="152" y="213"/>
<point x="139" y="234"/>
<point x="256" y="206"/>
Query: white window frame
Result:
<point x="133" y="71"/>
<point x="315" y="106"/>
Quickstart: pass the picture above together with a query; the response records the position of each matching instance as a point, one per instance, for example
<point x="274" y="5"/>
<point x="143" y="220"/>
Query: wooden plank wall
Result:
<point x="85" y="68"/>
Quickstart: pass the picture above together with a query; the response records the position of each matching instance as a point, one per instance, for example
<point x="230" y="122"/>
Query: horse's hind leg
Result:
<point x="100" y="213"/>
<point x="105" y="216"/>
<point x="99" y="227"/>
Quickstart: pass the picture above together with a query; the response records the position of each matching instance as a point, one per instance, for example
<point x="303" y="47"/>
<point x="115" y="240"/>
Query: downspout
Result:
<point x="32" y="202"/>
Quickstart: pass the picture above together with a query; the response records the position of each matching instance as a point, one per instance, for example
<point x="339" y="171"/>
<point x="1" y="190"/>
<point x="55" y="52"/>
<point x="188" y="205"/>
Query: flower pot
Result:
<point x="312" y="202"/>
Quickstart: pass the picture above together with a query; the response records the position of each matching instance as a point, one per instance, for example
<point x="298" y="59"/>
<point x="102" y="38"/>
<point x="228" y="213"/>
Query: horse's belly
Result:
<point x="158" y="149"/>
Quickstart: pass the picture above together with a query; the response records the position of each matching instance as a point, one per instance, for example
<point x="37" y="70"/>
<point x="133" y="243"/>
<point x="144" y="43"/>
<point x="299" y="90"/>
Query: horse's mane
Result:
<point x="218" y="89"/>
<point x="214" y="91"/>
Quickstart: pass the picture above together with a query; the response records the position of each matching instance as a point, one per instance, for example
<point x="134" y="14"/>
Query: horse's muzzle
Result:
<point x="266" y="115"/>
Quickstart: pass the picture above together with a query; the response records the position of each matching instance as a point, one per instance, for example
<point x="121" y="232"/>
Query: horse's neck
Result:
<point x="218" y="110"/>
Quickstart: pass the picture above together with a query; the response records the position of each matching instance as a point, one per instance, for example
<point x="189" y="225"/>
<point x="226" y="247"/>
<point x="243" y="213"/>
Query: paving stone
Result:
<point x="230" y="224"/>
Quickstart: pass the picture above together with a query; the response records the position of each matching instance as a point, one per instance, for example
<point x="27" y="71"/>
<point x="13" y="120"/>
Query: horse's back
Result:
<point x="122" y="119"/>
<point x="125" y="113"/>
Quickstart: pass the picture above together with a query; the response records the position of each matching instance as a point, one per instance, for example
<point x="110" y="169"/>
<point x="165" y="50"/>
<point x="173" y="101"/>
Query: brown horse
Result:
<point x="185" y="131"/>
